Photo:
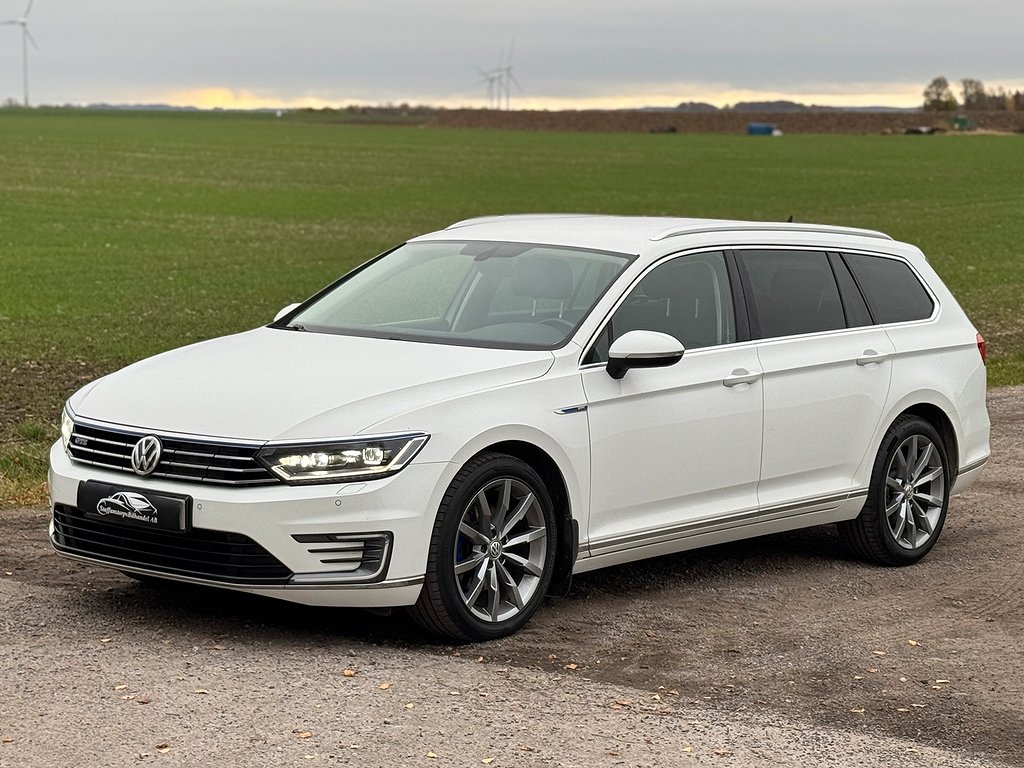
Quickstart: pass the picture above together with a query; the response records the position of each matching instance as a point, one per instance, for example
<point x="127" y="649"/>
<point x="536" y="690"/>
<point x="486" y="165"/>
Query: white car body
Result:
<point x="735" y="440"/>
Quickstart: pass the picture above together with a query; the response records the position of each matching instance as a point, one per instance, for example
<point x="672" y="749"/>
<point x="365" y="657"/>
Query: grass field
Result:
<point x="125" y="234"/>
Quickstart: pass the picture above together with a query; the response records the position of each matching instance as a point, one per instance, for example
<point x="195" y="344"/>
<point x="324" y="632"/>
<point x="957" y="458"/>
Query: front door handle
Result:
<point x="741" y="376"/>
<point x="870" y="357"/>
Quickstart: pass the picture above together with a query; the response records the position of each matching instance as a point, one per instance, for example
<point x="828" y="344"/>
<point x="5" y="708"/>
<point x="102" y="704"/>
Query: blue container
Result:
<point x="760" y="129"/>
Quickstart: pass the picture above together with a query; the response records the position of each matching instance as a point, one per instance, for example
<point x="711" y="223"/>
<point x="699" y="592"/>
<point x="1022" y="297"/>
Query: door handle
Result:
<point x="741" y="376"/>
<point x="870" y="356"/>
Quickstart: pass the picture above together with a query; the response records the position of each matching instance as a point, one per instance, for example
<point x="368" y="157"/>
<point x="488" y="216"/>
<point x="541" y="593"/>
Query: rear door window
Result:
<point x="791" y="292"/>
<point x="893" y="292"/>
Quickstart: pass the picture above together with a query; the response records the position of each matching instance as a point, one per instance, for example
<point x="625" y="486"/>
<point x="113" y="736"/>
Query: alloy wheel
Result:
<point x="915" y="491"/>
<point x="501" y="549"/>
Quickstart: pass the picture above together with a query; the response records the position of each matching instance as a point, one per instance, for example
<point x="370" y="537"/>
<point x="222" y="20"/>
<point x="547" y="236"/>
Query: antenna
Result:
<point x="26" y="38"/>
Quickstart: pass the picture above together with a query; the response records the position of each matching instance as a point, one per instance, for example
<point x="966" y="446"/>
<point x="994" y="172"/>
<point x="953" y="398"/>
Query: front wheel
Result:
<point x="908" y="498"/>
<point x="492" y="551"/>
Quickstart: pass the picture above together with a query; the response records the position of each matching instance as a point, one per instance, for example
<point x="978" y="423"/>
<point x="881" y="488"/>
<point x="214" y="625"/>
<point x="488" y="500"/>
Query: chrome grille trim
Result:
<point x="126" y="429"/>
<point x="196" y="460"/>
<point x="364" y="557"/>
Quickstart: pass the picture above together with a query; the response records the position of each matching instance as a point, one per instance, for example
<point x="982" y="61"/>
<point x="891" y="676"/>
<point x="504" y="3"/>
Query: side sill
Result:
<point x="974" y="465"/>
<point x="743" y="525"/>
<point x="967" y="475"/>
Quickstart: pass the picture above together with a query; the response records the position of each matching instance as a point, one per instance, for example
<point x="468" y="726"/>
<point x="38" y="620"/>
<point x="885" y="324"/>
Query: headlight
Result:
<point x="345" y="461"/>
<point x="67" y="425"/>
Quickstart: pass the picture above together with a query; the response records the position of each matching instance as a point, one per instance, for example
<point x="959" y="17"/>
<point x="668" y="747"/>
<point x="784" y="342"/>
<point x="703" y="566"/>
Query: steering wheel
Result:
<point x="557" y="323"/>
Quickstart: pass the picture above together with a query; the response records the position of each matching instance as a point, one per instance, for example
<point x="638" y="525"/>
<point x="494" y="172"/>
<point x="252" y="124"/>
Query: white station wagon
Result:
<point x="462" y="423"/>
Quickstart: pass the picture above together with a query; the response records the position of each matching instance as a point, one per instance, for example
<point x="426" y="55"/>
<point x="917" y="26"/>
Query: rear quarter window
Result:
<point x="893" y="292"/>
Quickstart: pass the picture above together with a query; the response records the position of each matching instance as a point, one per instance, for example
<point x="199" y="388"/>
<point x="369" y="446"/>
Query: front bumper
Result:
<point x="308" y="532"/>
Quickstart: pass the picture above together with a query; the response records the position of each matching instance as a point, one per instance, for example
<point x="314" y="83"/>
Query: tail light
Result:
<point x="982" y="349"/>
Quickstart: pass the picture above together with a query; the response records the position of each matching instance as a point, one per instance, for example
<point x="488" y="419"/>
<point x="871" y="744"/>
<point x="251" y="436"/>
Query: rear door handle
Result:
<point x="870" y="356"/>
<point x="741" y="376"/>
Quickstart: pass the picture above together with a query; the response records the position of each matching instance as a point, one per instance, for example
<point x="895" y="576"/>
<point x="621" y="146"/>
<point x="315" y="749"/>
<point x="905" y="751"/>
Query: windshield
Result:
<point x="500" y="295"/>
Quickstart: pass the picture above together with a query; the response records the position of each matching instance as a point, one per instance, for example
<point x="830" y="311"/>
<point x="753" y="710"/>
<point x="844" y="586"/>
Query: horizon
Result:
<point x="244" y="100"/>
<point x="898" y="96"/>
<point x="644" y="53"/>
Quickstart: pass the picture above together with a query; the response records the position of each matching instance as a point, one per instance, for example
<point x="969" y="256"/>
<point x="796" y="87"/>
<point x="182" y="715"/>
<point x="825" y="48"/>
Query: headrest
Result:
<point x="678" y="279"/>
<point x="796" y="283"/>
<point x="542" y="277"/>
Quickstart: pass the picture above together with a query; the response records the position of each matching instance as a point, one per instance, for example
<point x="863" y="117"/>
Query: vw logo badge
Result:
<point x="146" y="455"/>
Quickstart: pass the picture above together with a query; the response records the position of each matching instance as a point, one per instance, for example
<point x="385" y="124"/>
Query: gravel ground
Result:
<point x="777" y="651"/>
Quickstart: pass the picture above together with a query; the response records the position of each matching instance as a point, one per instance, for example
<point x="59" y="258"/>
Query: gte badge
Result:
<point x="146" y="455"/>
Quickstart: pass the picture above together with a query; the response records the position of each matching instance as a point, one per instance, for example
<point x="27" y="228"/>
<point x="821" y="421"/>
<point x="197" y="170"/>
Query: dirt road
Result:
<point x="779" y="650"/>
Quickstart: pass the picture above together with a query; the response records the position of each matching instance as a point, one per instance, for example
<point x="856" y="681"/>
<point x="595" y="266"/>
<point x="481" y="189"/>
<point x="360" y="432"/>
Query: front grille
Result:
<point x="214" y="555"/>
<point x="191" y="460"/>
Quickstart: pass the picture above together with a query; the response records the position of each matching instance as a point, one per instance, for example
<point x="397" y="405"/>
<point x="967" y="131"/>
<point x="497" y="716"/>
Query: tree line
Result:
<point x="939" y="96"/>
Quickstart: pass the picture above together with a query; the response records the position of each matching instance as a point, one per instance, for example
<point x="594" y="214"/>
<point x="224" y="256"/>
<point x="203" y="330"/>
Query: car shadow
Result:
<point x="208" y="611"/>
<point x="805" y="549"/>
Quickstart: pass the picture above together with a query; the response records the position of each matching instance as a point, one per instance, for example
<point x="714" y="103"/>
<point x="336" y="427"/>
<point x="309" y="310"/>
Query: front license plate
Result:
<point x="138" y="507"/>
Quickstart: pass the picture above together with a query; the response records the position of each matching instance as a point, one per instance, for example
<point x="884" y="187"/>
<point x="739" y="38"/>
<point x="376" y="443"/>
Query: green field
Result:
<point x="123" y="234"/>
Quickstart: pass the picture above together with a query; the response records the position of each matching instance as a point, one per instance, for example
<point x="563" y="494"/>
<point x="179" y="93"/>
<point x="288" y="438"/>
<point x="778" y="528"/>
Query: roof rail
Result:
<point x="771" y="227"/>
<point x="520" y="217"/>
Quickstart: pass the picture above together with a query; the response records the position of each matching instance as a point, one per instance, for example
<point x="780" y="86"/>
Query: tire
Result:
<point x="908" y="497"/>
<point x="492" y="552"/>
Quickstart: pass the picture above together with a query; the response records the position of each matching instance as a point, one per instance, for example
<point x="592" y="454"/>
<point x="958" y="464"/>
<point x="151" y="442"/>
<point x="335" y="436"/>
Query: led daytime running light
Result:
<point x="345" y="461"/>
<point x="67" y="427"/>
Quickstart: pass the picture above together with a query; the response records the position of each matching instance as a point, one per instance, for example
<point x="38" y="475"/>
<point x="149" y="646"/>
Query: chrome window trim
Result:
<point x="834" y="248"/>
<point x="696" y="250"/>
<point x="936" y="304"/>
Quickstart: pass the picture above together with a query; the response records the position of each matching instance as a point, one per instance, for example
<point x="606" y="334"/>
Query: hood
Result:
<point x="270" y="384"/>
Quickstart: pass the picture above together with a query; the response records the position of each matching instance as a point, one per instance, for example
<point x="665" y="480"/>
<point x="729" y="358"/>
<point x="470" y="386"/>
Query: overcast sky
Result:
<point x="568" y="54"/>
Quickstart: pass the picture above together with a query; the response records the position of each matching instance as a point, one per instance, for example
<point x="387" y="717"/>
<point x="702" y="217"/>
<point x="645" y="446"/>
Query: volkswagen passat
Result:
<point x="462" y="423"/>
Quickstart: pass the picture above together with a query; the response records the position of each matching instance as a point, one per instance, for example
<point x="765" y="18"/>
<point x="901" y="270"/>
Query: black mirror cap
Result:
<point x="617" y="366"/>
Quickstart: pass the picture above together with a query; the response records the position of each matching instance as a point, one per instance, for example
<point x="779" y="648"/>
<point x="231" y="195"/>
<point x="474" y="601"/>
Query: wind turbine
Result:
<point x="500" y="81"/>
<point x="507" y="78"/>
<point x="493" y="80"/>
<point x="26" y="38"/>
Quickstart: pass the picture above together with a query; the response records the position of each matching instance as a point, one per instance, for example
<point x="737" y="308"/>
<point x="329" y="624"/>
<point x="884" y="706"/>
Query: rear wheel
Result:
<point x="491" y="553"/>
<point x="908" y="497"/>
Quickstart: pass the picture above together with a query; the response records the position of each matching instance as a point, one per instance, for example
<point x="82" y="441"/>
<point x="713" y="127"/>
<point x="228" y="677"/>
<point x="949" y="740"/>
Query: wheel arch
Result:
<point x="934" y="408"/>
<point x="568" y="528"/>
<point x="940" y="420"/>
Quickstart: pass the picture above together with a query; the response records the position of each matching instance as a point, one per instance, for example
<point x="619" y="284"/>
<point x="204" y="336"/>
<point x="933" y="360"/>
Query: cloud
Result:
<point x="601" y="53"/>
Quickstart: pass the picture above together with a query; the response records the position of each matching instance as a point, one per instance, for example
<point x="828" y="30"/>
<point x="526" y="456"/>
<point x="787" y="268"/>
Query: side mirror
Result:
<point x="643" y="349"/>
<point x="284" y="312"/>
